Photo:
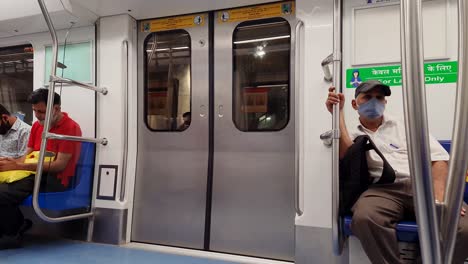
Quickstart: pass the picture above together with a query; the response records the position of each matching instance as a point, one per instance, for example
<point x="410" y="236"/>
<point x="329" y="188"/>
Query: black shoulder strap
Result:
<point x="388" y="174"/>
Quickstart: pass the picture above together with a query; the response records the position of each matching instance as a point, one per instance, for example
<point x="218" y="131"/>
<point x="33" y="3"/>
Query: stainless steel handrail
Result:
<point x="102" y="141"/>
<point x="46" y="134"/>
<point x="328" y="77"/>
<point x="414" y="98"/>
<point x="297" y="88"/>
<point x="50" y="99"/>
<point x="123" y="183"/>
<point x="459" y="154"/>
<point x="337" y="221"/>
<point x="57" y="79"/>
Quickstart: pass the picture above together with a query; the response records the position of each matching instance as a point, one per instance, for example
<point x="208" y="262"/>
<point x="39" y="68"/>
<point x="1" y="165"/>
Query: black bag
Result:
<point x="354" y="173"/>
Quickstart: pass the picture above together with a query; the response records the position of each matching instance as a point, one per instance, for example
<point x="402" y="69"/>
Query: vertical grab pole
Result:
<point x="337" y="230"/>
<point x="459" y="154"/>
<point x="50" y="104"/>
<point x="414" y="99"/>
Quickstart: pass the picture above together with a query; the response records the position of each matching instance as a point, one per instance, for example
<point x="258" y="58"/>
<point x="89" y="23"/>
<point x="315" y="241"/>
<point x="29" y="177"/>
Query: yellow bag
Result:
<point x="16" y="175"/>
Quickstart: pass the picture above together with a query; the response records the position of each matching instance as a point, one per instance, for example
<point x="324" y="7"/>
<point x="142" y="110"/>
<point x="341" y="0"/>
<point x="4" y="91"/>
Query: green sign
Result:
<point x="438" y="72"/>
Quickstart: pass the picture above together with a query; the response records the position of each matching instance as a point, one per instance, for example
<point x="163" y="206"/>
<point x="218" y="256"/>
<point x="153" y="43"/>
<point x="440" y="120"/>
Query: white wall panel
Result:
<point x="439" y="96"/>
<point x="110" y="113"/>
<point x="378" y="40"/>
<point x="317" y="16"/>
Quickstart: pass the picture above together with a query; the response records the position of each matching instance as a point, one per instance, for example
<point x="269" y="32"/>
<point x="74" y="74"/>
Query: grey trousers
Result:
<point x="376" y="214"/>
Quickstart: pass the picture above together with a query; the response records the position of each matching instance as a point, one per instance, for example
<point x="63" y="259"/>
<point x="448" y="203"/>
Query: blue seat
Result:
<point x="407" y="231"/>
<point x="79" y="195"/>
<point x="445" y="144"/>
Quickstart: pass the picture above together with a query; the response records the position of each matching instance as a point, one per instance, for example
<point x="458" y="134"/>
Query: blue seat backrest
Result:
<point x="79" y="195"/>
<point x="85" y="164"/>
<point x="446" y="144"/>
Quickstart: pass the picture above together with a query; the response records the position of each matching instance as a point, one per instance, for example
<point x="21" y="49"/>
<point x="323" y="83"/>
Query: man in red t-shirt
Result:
<point x="57" y="173"/>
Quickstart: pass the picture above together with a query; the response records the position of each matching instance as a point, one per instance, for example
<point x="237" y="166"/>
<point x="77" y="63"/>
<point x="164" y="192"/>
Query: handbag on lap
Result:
<point x="354" y="173"/>
<point x="16" y="175"/>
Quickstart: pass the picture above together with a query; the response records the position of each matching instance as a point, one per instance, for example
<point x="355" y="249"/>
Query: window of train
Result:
<point x="16" y="80"/>
<point x="261" y="75"/>
<point x="168" y="80"/>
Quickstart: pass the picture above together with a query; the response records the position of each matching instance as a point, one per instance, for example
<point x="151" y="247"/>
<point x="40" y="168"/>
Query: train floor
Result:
<point x="54" y="251"/>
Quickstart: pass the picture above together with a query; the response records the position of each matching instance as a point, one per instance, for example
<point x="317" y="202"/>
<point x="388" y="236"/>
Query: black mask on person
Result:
<point x="4" y="127"/>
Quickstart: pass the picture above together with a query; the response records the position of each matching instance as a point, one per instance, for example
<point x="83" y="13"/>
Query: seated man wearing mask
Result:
<point x="14" y="135"/>
<point x="57" y="173"/>
<point x="377" y="211"/>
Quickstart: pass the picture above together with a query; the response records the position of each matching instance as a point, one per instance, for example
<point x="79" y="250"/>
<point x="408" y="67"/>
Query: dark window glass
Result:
<point x="16" y="80"/>
<point x="168" y="80"/>
<point x="261" y="77"/>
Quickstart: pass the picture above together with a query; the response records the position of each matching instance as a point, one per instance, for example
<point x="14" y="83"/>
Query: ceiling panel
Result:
<point x="19" y="17"/>
<point x="142" y="9"/>
<point x="12" y="9"/>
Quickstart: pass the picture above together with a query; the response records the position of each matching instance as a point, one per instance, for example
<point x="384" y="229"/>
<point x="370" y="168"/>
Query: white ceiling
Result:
<point x="22" y="8"/>
<point x="19" y="17"/>
<point x="142" y="9"/>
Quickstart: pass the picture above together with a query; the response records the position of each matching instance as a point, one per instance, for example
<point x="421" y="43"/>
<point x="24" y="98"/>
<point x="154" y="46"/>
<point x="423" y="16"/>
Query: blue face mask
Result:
<point x="372" y="109"/>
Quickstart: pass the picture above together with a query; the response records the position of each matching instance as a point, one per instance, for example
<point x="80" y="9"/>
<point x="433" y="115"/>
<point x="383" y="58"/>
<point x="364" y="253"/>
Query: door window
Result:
<point x="261" y="77"/>
<point x="168" y="81"/>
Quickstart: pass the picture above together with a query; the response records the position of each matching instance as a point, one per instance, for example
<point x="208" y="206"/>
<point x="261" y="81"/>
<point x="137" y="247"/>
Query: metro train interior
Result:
<point x="204" y="132"/>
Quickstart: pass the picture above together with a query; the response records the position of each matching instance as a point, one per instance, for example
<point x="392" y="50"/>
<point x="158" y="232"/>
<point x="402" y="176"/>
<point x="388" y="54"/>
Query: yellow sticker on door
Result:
<point x="256" y="12"/>
<point x="172" y="23"/>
